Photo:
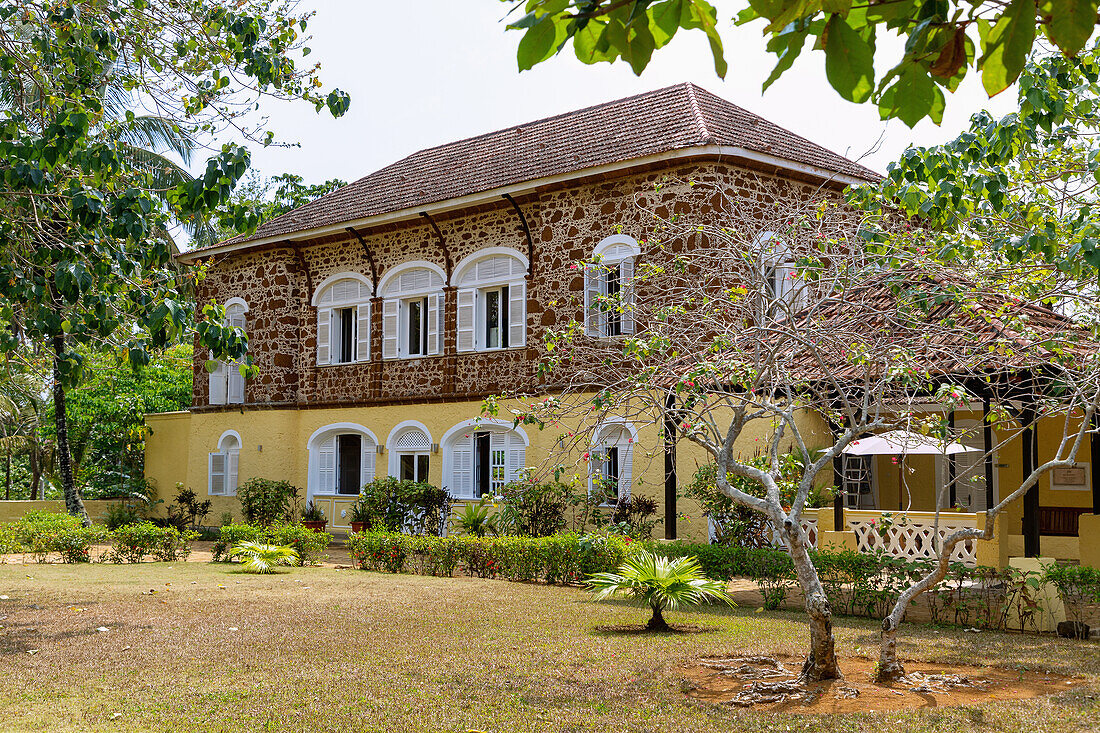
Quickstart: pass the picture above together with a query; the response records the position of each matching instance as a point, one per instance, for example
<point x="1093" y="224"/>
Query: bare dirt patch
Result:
<point x="771" y="683"/>
<point x="643" y="629"/>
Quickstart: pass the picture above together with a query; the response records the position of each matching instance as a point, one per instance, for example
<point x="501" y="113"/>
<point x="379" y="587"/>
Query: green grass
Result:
<point x="320" y="649"/>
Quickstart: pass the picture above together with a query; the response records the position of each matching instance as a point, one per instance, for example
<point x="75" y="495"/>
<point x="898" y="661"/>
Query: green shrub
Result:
<point x="1079" y="586"/>
<point x="134" y="542"/>
<point x="391" y="505"/>
<point x="566" y="558"/>
<point x="309" y="544"/>
<point x="39" y="532"/>
<point x="76" y="545"/>
<point x="9" y="540"/>
<point x="121" y="514"/>
<point x="533" y="509"/>
<point x="266" y="501"/>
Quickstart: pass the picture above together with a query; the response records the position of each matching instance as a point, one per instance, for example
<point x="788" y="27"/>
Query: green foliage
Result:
<point x="263" y="559"/>
<point x="268" y="198"/>
<point x="476" y="518"/>
<point x="265" y="501"/>
<point x="535" y="509"/>
<point x="564" y="558"/>
<point x="736" y="524"/>
<point x="1018" y="192"/>
<point x="106" y="412"/>
<point x="187" y="511"/>
<point x="393" y="505"/>
<point x="313" y="513"/>
<point x="660" y="582"/>
<point x="135" y="542"/>
<point x="309" y="544"/>
<point x="1079" y="586"/>
<point x="942" y="42"/>
<point x="121" y="513"/>
<point x="9" y="540"/>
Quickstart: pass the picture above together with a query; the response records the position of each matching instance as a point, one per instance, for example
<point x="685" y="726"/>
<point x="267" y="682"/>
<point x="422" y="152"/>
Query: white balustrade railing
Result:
<point x="910" y="534"/>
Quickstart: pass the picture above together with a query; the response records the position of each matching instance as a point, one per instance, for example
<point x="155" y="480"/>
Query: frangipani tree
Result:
<point x="784" y="320"/>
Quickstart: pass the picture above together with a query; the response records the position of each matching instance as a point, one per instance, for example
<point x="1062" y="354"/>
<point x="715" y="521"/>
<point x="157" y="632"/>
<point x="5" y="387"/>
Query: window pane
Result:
<point x="492" y="319"/>
<point x="408" y="467"/>
<point x="416" y="314"/>
<point x="422" y="467"/>
<point x="614" y="318"/>
<point x="345" y="323"/>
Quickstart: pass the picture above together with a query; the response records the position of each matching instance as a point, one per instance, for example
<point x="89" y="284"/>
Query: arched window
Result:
<point x="492" y="300"/>
<point x="410" y="447"/>
<point x="341" y="460"/>
<point x="343" y="319"/>
<point x="611" y="461"/>
<point x="226" y="381"/>
<point x="412" y="310"/>
<point x="222" y="465"/>
<point x="609" y="287"/>
<point x="783" y="288"/>
<point x="481" y="456"/>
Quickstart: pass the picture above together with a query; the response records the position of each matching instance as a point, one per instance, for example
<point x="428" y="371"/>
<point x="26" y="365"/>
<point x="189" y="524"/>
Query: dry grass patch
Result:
<point x="324" y="649"/>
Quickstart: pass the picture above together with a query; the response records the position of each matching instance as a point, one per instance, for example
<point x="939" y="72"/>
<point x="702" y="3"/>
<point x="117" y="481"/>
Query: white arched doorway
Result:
<point x="341" y="461"/>
<point x="481" y="455"/>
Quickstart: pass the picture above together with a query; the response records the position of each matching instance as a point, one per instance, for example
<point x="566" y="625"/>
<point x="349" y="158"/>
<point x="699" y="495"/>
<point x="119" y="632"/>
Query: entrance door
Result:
<point x="971" y="490"/>
<point x="349" y="464"/>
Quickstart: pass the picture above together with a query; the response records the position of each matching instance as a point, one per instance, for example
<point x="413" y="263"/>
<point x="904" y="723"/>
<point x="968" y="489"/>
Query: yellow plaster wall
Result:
<point x="12" y="510"/>
<point x="273" y="445"/>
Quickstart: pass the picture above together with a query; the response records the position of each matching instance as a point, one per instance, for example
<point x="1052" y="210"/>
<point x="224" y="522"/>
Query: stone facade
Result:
<point x="566" y="223"/>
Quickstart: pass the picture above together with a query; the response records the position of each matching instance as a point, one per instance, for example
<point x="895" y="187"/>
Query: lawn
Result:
<point x="324" y="649"/>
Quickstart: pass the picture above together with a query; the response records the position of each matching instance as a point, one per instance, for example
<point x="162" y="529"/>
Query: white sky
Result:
<point x="425" y="72"/>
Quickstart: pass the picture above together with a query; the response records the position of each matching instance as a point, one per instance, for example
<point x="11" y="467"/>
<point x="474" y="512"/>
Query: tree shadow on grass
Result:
<point x="642" y="629"/>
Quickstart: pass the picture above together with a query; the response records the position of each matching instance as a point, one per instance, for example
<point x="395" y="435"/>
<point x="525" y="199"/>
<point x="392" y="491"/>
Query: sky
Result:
<point x="425" y="72"/>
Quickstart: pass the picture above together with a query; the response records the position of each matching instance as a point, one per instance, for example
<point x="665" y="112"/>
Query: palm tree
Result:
<point x="661" y="583"/>
<point x="256" y="557"/>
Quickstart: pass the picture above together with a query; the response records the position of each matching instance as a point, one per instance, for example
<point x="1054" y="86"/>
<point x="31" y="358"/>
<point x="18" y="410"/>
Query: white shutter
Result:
<point x="231" y="472"/>
<point x="626" y="462"/>
<point x="326" y="466"/>
<point x="626" y="294"/>
<point x="462" y="468"/>
<point x="362" y="332"/>
<point x="434" y="331"/>
<point x="367" y="463"/>
<point x="593" y="287"/>
<point x="324" y="329"/>
<point x="467" y="320"/>
<point x="236" y="384"/>
<point x="517" y="314"/>
<point x="216" y="474"/>
<point x="219" y="384"/>
<point x="389" y="329"/>
<point x="516" y="456"/>
<point x="784" y="283"/>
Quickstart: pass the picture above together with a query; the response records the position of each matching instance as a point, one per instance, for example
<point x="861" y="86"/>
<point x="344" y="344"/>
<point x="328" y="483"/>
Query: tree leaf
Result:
<point x="849" y="61"/>
<point x="1072" y="23"/>
<point x="540" y="42"/>
<point x="702" y="15"/>
<point x="1007" y="45"/>
<point x="952" y="56"/>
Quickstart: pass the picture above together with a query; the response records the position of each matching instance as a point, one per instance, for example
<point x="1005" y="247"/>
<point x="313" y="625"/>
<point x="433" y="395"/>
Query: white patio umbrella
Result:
<point x="904" y="443"/>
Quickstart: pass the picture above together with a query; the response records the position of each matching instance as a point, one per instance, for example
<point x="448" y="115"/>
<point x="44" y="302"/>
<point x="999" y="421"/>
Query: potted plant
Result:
<point x="314" y="518"/>
<point x="360" y="514"/>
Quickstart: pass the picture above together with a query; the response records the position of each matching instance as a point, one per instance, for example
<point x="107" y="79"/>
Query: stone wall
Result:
<point x="566" y="224"/>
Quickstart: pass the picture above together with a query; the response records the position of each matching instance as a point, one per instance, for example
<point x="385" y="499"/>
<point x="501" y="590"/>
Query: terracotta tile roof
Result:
<point x="674" y="118"/>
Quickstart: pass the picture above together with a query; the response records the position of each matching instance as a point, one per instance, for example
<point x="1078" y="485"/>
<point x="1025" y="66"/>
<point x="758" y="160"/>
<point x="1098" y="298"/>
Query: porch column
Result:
<point x="1031" y="498"/>
<point x="987" y="443"/>
<point x="1094" y="445"/>
<point x="952" y="490"/>
<point x="669" y="435"/>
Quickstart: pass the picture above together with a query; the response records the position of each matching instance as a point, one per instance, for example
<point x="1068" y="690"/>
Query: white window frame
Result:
<point x="424" y="447"/>
<point x="475" y="276"/>
<point x="322" y="443"/>
<point x="397" y="296"/>
<point x="619" y="253"/>
<point x="328" y="304"/>
<point x="226" y="459"/>
<point x="226" y="383"/>
<point x="778" y="271"/>
<point x="621" y="435"/>
<point x="458" y="446"/>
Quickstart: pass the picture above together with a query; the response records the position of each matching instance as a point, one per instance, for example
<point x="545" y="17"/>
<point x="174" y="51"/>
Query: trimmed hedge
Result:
<point x="310" y="544"/>
<point x="562" y="559"/>
<point x="44" y="533"/>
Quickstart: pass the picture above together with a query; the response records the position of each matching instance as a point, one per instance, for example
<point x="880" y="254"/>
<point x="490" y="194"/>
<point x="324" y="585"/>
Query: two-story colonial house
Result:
<point x="382" y="314"/>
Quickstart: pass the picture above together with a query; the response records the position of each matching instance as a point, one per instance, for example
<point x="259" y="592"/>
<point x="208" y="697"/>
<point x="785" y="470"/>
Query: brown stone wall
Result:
<point x="566" y="224"/>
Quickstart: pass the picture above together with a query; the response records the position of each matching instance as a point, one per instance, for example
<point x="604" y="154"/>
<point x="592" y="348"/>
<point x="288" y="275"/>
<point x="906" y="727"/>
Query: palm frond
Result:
<point x="159" y="135"/>
<point x="257" y="557"/>
<point x="660" y="582"/>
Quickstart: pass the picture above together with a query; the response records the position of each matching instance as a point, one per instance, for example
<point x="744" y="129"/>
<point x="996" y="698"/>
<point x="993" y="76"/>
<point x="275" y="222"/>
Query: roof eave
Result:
<point x="518" y="189"/>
